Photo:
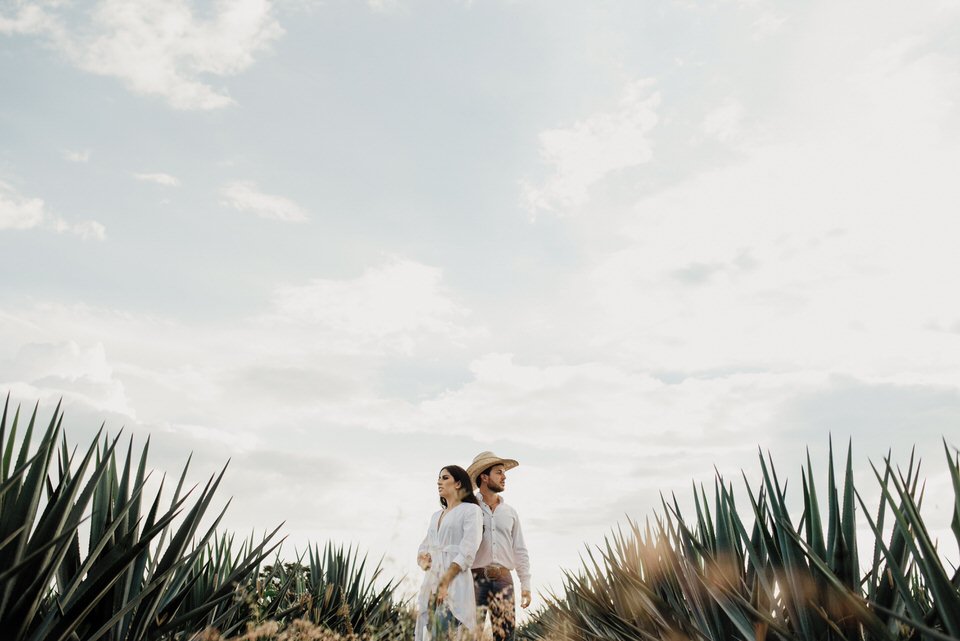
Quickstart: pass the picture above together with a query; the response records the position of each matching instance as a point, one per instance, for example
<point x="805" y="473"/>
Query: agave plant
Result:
<point x="136" y="579"/>
<point x="333" y="589"/>
<point x="715" y="577"/>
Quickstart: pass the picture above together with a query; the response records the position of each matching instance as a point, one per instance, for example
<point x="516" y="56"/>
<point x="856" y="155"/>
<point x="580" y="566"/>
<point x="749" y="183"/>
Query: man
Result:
<point x="502" y="548"/>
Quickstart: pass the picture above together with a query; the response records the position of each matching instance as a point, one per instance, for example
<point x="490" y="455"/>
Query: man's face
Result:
<point x="497" y="479"/>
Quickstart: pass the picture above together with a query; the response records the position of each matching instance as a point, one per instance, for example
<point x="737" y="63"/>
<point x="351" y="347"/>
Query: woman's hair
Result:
<point x="460" y="475"/>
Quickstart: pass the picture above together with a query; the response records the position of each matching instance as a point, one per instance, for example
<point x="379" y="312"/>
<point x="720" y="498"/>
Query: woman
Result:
<point x="447" y="609"/>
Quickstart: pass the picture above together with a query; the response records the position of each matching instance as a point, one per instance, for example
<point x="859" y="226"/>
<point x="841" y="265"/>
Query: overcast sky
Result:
<point x="345" y="243"/>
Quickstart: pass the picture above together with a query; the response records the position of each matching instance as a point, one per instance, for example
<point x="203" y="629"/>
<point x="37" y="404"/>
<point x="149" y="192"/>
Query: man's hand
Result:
<point x="425" y="561"/>
<point x="525" y="599"/>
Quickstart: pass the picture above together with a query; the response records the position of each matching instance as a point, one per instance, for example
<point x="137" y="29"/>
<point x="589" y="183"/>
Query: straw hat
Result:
<point x="483" y="460"/>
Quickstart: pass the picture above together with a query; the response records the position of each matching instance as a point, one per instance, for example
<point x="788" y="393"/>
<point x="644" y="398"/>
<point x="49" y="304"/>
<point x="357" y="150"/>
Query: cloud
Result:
<point x="49" y="371"/>
<point x="313" y="354"/>
<point x="159" y="178"/>
<point x="592" y="149"/>
<point x="724" y="122"/>
<point x="246" y="196"/>
<point x="31" y="18"/>
<point x="383" y="6"/>
<point x="393" y="305"/>
<point x="768" y="24"/>
<point x="18" y="212"/>
<point x="156" y="47"/>
<point x="76" y="156"/>
<point x="598" y="408"/>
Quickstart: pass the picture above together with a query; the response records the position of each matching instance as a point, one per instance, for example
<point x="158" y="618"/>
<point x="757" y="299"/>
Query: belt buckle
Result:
<point x="492" y="572"/>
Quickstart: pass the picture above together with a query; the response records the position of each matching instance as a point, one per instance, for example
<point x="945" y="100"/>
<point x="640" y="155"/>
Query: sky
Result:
<point x="343" y="244"/>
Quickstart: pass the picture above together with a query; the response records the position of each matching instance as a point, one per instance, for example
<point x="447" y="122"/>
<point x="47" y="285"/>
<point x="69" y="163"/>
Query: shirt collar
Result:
<point x="483" y="504"/>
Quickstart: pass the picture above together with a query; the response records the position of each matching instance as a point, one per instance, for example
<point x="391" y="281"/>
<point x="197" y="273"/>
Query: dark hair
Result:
<point x="460" y="475"/>
<point x="486" y="471"/>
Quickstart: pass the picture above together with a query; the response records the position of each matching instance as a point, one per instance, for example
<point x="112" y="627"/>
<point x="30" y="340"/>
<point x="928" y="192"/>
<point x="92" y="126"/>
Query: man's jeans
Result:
<point x="496" y="597"/>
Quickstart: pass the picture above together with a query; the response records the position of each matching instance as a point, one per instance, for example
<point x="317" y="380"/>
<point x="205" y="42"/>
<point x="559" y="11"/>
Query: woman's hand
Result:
<point x="445" y="580"/>
<point x="442" y="591"/>
<point x="425" y="561"/>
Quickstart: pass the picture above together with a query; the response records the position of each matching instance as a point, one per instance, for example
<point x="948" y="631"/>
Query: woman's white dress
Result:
<point x="455" y="541"/>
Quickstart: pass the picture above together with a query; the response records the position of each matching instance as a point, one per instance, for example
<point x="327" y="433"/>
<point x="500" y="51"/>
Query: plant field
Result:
<point x="86" y="553"/>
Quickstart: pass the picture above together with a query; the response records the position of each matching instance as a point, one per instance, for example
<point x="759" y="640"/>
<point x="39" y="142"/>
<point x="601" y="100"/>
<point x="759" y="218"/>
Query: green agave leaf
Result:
<point x="96" y="585"/>
<point x="945" y="596"/>
<point x="953" y="464"/>
<point x="896" y="574"/>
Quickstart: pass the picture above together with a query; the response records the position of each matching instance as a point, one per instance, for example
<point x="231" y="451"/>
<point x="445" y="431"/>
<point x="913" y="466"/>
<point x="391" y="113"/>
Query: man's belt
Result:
<point x="491" y="572"/>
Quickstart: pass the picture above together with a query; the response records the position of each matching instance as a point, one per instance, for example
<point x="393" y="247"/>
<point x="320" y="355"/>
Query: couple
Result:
<point x="471" y="546"/>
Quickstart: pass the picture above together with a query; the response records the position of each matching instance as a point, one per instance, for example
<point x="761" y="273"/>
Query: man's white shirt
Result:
<point x="502" y="542"/>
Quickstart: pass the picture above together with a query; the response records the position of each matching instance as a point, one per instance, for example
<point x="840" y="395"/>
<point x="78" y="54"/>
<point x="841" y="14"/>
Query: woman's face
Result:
<point x="447" y="486"/>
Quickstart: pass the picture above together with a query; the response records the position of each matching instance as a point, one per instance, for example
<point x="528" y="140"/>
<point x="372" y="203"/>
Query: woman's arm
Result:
<point x="423" y="554"/>
<point x="470" y="541"/>
<point x="445" y="580"/>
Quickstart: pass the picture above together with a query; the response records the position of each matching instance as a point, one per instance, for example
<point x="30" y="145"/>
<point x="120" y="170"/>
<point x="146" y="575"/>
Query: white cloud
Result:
<point x="246" y="196"/>
<point x="86" y="230"/>
<point x="724" y="122"/>
<point x="76" y="156"/>
<point x="591" y="149"/>
<point x="18" y="212"/>
<point x="318" y="346"/>
<point x="383" y="6"/>
<point x="159" y="178"/>
<point x="768" y="24"/>
<point x="31" y="18"/>
<point x="76" y="373"/>
<point x="157" y="47"/>
<point x="21" y="213"/>
<point x="394" y="305"/>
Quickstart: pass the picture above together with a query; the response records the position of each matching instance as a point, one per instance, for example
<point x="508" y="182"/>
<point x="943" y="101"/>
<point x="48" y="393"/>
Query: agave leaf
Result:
<point x="96" y="585"/>
<point x="849" y="561"/>
<point x="24" y="509"/>
<point x="792" y="556"/>
<point x="944" y="595"/>
<point x="875" y="573"/>
<point x="897" y="574"/>
<point x="13" y="480"/>
<point x="842" y="592"/>
<point x="174" y="556"/>
<point x="62" y="509"/>
<point x="5" y="456"/>
<point x="953" y="464"/>
<point x="926" y="630"/>
<point x="812" y="507"/>
<point x="40" y="550"/>
<point x="226" y="589"/>
<point x="25" y="445"/>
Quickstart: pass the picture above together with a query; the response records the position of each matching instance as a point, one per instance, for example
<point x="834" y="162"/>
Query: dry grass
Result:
<point x="303" y="630"/>
<point x="298" y="630"/>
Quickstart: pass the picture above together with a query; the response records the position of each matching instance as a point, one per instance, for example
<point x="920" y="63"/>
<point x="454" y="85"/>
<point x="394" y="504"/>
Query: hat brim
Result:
<point x="481" y="465"/>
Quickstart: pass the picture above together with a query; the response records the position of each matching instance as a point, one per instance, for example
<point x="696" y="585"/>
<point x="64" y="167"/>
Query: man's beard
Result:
<point x="496" y="489"/>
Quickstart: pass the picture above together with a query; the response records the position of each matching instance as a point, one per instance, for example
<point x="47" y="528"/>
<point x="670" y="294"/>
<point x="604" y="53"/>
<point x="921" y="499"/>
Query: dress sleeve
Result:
<point x="520" y="555"/>
<point x="425" y="544"/>
<point x="472" y="532"/>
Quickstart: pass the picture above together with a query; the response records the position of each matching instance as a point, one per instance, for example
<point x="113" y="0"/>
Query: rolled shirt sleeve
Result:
<point x="521" y="557"/>
<point x="425" y="544"/>
<point x="472" y="533"/>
